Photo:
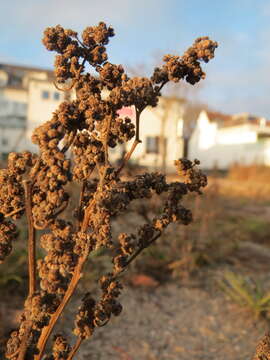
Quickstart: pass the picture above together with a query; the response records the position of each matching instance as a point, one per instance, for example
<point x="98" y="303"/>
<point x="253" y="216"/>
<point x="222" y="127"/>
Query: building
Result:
<point x="161" y="133"/>
<point x="27" y="98"/>
<point x="220" y="140"/>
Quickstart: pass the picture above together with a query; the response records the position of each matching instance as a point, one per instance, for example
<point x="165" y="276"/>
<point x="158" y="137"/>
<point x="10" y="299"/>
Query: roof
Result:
<point x="23" y="68"/>
<point x="225" y="120"/>
<point x="218" y="117"/>
<point x="16" y="74"/>
<point x="243" y="119"/>
<point x="174" y="98"/>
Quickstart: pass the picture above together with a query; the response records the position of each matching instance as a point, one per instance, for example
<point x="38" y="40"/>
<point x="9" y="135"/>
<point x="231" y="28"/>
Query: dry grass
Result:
<point x="255" y="173"/>
<point x="250" y="182"/>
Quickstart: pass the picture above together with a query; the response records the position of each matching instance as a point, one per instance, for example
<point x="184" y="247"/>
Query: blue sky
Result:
<point x="238" y="79"/>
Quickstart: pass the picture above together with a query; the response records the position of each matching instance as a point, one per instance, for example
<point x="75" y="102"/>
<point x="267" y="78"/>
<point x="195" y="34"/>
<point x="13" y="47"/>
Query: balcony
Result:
<point x="12" y="114"/>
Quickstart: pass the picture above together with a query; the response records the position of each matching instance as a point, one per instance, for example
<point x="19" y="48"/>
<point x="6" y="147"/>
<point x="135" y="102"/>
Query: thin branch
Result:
<point x="24" y="344"/>
<point x="63" y="208"/>
<point x="10" y="356"/>
<point x="31" y="262"/>
<point x="128" y="156"/>
<point x="35" y="169"/>
<point x="81" y="43"/>
<point x="80" y="203"/>
<point x="46" y="332"/>
<point x="87" y="215"/>
<point x="69" y="142"/>
<point x="67" y="88"/>
<point x="108" y="127"/>
<point x="31" y="237"/>
<point x="133" y="256"/>
<point x="14" y="212"/>
<point x="81" y="197"/>
<point x="161" y="86"/>
<point x="136" y="253"/>
<point x="134" y="145"/>
<point x="78" y="73"/>
<point x="75" y="348"/>
<point x="137" y="135"/>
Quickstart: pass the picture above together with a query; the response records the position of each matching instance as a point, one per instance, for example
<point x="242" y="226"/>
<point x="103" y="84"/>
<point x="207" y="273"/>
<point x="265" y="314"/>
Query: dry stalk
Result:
<point x="31" y="238"/>
<point x="36" y="185"/>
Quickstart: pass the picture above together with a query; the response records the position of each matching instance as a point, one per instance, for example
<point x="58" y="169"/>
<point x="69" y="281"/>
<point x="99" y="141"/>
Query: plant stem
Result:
<point x="108" y="128"/>
<point x="46" y="332"/>
<point x="63" y="208"/>
<point x="69" y="142"/>
<point x="14" y="212"/>
<point x="24" y="343"/>
<point x="75" y="348"/>
<point x="31" y="237"/>
<point x="31" y="261"/>
<point x="137" y="252"/>
<point x="161" y="86"/>
<point x="142" y="248"/>
<point x="135" y="143"/>
<point x="81" y="203"/>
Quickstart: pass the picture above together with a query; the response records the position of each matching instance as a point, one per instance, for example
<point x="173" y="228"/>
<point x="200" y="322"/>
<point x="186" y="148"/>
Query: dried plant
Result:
<point x="35" y="185"/>
<point x="247" y="293"/>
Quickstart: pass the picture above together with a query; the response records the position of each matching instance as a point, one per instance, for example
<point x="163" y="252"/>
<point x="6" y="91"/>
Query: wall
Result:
<point x="223" y="156"/>
<point x="222" y="147"/>
<point x="10" y="139"/>
<point x="166" y="118"/>
<point x="14" y="94"/>
<point x="39" y="109"/>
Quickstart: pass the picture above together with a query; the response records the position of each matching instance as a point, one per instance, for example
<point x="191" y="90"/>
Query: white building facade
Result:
<point x="28" y="97"/>
<point x="220" y="141"/>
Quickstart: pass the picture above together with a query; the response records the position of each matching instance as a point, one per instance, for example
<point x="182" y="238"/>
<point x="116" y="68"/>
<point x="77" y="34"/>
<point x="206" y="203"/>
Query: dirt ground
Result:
<point x="192" y="320"/>
<point x="174" y="322"/>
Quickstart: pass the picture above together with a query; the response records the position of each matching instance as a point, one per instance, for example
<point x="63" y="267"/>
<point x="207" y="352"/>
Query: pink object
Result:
<point x="126" y="111"/>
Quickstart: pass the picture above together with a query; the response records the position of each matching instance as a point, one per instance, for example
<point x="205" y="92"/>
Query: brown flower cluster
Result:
<point x="57" y="266"/>
<point x="193" y="177"/>
<point x="65" y="42"/>
<point x="187" y="66"/>
<point x="11" y="183"/>
<point x="263" y="349"/>
<point x="8" y="232"/>
<point x="37" y="311"/>
<point x="73" y="145"/>
<point x="60" y="348"/>
<point x="140" y="92"/>
<point x="94" y="314"/>
<point x="48" y="190"/>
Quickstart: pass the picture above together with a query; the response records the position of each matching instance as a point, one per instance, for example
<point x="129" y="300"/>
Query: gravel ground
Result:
<point x="173" y="322"/>
<point x="170" y="322"/>
<point x="189" y="322"/>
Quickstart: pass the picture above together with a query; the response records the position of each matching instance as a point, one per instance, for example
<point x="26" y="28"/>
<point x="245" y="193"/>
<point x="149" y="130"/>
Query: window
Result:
<point x="56" y="96"/>
<point x="152" y="145"/>
<point x="45" y="94"/>
<point x="5" y="156"/>
<point x="4" y="141"/>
